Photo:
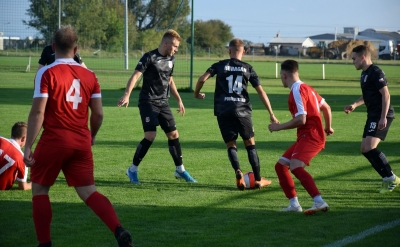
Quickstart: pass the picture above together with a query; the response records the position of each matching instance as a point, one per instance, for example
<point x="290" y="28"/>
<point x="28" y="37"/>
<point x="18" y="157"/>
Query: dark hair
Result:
<point x="290" y="66"/>
<point x="18" y="130"/>
<point x="362" y="50"/>
<point x="65" y="39"/>
<point x="236" y="43"/>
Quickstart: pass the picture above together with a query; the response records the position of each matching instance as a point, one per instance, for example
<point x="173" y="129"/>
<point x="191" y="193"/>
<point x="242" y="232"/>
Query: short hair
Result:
<point x="18" y="130"/>
<point x="291" y="66"/>
<point x="362" y="50"/>
<point x="172" y="34"/>
<point x="236" y="44"/>
<point x="65" y="39"/>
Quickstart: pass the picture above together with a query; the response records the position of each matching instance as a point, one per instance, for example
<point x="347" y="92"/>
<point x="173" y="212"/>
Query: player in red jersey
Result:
<point x="304" y="105"/>
<point x="64" y="92"/>
<point x="12" y="167"/>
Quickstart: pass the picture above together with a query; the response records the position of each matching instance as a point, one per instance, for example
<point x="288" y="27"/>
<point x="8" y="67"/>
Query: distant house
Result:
<point x="289" y="46"/>
<point x="381" y="34"/>
<point x="329" y="37"/>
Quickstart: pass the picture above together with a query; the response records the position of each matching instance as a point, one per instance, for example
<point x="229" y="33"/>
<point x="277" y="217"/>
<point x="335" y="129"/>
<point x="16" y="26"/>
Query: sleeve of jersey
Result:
<point x="254" y="78"/>
<point x="96" y="91"/>
<point x="213" y="69"/>
<point x="41" y="84"/>
<point x="299" y="99"/>
<point x="143" y="63"/>
<point x="23" y="171"/>
<point x="380" y="79"/>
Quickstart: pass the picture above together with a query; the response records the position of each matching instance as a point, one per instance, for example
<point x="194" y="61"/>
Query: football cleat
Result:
<point x="133" y="176"/>
<point x="185" y="175"/>
<point x="240" y="180"/>
<point x="125" y="239"/>
<point x="262" y="183"/>
<point x="388" y="186"/>
<point x="291" y="208"/>
<point x="317" y="206"/>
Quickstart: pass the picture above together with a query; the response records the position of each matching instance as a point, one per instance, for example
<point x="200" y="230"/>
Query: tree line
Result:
<point x="100" y="23"/>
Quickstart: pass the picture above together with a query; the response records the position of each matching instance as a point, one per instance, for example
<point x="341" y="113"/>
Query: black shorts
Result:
<point x="230" y="126"/>
<point x="154" y="113"/>
<point x="371" y="128"/>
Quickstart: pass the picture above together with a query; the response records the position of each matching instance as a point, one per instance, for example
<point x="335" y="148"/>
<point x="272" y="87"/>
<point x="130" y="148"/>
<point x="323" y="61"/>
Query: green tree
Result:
<point x="158" y="14"/>
<point x="211" y="34"/>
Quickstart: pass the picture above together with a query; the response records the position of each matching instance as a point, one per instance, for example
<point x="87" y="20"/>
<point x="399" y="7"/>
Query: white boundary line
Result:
<point x="364" y="234"/>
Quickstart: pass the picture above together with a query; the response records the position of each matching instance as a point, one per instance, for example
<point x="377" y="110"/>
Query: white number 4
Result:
<point x="235" y="86"/>
<point x="76" y="98"/>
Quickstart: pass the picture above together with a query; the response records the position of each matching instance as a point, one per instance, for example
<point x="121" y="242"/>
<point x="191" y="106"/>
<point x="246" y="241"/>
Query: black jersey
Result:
<point x="157" y="71"/>
<point x="372" y="80"/>
<point x="48" y="56"/>
<point x="231" y="96"/>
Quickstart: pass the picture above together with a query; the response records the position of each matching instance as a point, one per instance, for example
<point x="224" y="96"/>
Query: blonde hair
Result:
<point x="171" y="34"/>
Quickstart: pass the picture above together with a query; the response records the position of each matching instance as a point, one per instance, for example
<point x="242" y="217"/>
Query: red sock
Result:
<point x="307" y="181"/>
<point x="102" y="207"/>
<point x="42" y="214"/>
<point x="285" y="180"/>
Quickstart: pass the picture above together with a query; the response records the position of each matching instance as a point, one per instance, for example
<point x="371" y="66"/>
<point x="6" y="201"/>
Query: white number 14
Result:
<point x="76" y="98"/>
<point x="235" y="85"/>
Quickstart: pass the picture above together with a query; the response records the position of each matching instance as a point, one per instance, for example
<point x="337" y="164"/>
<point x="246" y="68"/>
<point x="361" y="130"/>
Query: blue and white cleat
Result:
<point x="185" y="175"/>
<point x="133" y="176"/>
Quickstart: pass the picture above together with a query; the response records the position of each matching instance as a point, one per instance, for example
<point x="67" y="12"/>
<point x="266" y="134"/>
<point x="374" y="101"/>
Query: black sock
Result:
<point x="141" y="151"/>
<point x="233" y="158"/>
<point x="175" y="151"/>
<point x="118" y="231"/>
<point x="254" y="161"/>
<point x="48" y="244"/>
<point x="379" y="162"/>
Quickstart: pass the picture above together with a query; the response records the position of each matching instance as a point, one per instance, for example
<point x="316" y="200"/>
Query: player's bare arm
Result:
<point x="264" y="98"/>
<point x="124" y="100"/>
<point x="385" y="107"/>
<point x="293" y="123"/>
<point x="174" y="92"/>
<point x="326" y="111"/>
<point x="352" y="107"/>
<point x="96" y="117"/>
<point x="35" y="121"/>
<point x="199" y="86"/>
<point x="24" y="185"/>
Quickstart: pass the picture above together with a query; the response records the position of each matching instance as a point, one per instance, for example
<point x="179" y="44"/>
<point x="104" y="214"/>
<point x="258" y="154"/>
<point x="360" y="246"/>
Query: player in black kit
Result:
<point x="48" y="57"/>
<point x="380" y="114"/>
<point x="233" y="109"/>
<point x="157" y="67"/>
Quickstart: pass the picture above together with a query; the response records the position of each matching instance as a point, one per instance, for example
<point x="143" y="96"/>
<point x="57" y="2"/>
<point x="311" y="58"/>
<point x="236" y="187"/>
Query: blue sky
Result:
<point x="260" y="20"/>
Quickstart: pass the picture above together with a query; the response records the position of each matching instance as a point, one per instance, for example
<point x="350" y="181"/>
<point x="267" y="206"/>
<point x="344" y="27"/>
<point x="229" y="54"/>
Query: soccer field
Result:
<point x="163" y="211"/>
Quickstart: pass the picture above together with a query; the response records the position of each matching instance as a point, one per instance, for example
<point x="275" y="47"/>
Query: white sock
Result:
<point x="180" y="168"/>
<point x="133" y="168"/>
<point x="294" y="202"/>
<point x="318" y="199"/>
<point x="391" y="178"/>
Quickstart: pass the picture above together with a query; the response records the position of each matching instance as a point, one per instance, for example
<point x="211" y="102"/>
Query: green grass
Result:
<point x="166" y="212"/>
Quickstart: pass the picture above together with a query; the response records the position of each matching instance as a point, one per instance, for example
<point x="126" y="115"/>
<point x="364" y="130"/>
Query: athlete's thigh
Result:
<point x="245" y="127"/>
<point x="228" y="128"/>
<point x="149" y="115"/>
<point x="48" y="163"/>
<point x="304" y="149"/>
<point x="78" y="170"/>
<point x="371" y="128"/>
<point x="166" y="119"/>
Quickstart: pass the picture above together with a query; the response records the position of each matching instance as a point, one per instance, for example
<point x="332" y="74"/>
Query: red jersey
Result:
<point x="12" y="166"/>
<point x="303" y="99"/>
<point x="69" y="88"/>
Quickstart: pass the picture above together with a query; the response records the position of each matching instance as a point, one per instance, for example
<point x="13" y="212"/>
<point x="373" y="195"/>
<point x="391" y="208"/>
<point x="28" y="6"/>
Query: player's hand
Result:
<point x="273" y="119"/>
<point x="382" y="123"/>
<point x="201" y="96"/>
<point x="123" y="100"/>
<point x="181" y="109"/>
<point x="329" y="131"/>
<point x="349" y="108"/>
<point x="28" y="157"/>
<point x="273" y="127"/>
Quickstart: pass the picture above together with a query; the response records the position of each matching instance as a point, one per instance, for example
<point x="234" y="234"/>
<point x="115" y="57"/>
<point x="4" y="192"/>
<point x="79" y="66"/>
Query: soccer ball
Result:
<point x="249" y="180"/>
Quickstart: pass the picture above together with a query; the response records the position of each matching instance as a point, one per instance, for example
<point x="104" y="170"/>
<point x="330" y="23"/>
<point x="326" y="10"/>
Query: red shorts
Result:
<point x="304" y="149"/>
<point x="77" y="165"/>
